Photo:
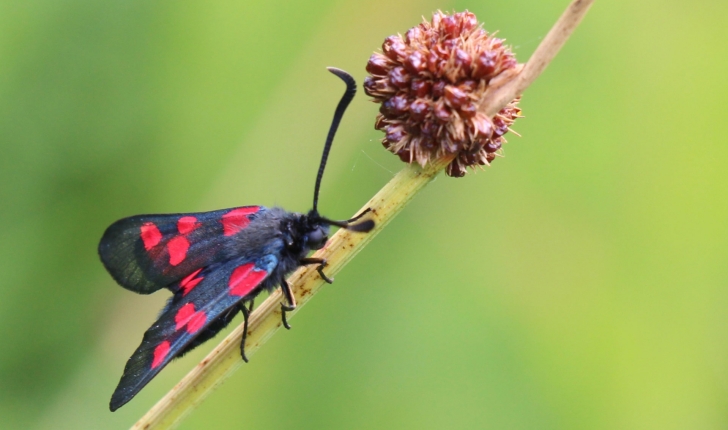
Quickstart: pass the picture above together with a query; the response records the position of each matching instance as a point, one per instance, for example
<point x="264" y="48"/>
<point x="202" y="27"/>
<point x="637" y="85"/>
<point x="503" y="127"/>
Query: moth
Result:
<point x="215" y="264"/>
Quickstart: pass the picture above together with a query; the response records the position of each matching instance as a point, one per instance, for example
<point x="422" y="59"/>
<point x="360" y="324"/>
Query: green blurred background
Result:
<point x="578" y="283"/>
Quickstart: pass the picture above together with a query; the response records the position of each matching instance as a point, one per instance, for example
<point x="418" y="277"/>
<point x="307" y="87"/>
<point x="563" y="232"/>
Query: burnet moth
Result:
<point x="215" y="264"/>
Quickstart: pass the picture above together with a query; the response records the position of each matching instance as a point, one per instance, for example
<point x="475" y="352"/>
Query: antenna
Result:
<point x="340" y="109"/>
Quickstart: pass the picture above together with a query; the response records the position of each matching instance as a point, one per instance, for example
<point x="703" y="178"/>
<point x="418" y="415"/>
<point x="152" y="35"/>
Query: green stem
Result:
<point x="343" y="246"/>
<point x="266" y="319"/>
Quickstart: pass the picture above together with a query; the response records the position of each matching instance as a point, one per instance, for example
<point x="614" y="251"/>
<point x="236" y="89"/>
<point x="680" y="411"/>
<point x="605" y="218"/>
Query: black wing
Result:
<point x="217" y="291"/>
<point x="144" y="253"/>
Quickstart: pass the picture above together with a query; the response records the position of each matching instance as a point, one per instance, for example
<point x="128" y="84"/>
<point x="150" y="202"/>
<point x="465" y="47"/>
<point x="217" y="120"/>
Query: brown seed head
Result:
<point x="430" y="83"/>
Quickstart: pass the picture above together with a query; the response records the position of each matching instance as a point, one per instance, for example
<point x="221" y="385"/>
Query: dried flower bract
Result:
<point x="430" y="83"/>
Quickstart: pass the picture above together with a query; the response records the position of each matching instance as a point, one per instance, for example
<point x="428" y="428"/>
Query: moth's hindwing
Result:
<point x="144" y="253"/>
<point x="201" y="299"/>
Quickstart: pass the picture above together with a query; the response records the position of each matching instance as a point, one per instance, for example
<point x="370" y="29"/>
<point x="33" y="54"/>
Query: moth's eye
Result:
<point x="316" y="238"/>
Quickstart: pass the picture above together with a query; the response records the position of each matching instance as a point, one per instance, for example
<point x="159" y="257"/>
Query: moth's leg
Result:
<point x="320" y="269"/>
<point x="291" y="303"/>
<point x="250" y="308"/>
<point x="366" y="211"/>
<point x="246" y="314"/>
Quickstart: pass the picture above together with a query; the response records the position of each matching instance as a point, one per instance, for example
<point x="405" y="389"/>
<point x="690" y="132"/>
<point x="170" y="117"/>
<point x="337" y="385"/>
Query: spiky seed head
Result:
<point x="430" y="83"/>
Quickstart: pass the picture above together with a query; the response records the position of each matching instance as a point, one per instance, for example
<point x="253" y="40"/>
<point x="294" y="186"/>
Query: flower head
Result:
<point x="430" y="83"/>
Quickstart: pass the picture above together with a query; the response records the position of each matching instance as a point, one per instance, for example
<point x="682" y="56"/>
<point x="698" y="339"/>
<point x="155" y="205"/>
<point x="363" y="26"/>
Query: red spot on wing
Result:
<point x="187" y="224"/>
<point x="150" y="235"/>
<point x="237" y="219"/>
<point x="244" y="279"/>
<point x="186" y="315"/>
<point x="196" y="322"/>
<point x="183" y="315"/>
<point x="177" y="247"/>
<point x="190" y="282"/>
<point x="160" y="353"/>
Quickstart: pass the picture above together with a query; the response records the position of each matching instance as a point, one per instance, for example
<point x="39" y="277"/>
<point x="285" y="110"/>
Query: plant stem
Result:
<point x="214" y="369"/>
<point x="266" y="319"/>
<point x="545" y="52"/>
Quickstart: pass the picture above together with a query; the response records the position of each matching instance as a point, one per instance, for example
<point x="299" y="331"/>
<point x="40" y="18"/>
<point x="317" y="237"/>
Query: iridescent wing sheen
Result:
<point x="144" y="253"/>
<point x="201" y="299"/>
